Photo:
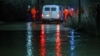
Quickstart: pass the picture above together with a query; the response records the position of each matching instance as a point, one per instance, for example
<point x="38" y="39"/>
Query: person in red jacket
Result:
<point x="65" y="13"/>
<point x="33" y="12"/>
<point x="71" y="12"/>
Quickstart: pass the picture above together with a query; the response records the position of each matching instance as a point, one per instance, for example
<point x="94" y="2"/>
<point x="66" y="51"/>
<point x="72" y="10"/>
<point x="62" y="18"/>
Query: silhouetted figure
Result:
<point x="71" y="13"/>
<point x="29" y="16"/>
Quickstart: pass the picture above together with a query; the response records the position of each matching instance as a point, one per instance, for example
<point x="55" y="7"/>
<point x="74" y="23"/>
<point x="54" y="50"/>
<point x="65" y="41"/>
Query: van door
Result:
<point x="46" y="12"/>
<point x="54" y="12"/>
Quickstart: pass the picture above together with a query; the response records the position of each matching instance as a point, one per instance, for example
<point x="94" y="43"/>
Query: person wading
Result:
<point x="65" y="13"/>
<point x="33" y="12"/>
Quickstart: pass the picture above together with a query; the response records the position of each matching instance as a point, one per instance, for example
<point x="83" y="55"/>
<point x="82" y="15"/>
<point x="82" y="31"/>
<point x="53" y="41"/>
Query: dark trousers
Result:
<point x="29" y="17"/>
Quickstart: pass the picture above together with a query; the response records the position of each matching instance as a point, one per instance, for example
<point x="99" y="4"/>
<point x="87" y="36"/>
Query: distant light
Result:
<point x="72" y="8"/>
<point x="29" y="6"/>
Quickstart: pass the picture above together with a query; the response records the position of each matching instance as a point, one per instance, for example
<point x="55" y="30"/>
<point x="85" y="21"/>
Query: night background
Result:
<point x="21" y="36"/>
<point x="16" y="10"/>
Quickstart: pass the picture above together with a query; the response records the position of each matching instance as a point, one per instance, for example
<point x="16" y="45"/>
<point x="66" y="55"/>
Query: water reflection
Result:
<point x="58" y="41"/>
<point x="29" y="39"/>
<point x="45" y="39"/>
<point x="72" y="44"/>
<point x="51" y="43"/>
<point x="42" y="41"/>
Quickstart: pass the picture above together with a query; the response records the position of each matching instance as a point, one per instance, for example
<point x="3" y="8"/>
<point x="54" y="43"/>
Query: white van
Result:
<point x="52" y="12"/>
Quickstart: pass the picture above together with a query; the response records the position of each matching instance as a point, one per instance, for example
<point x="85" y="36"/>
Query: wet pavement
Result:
<point x="32" y="39"/>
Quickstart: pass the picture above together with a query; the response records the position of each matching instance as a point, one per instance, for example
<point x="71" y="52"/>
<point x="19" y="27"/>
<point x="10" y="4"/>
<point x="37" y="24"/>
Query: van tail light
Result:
<point x="42" y="15"/>
<point x="58" y="15"/>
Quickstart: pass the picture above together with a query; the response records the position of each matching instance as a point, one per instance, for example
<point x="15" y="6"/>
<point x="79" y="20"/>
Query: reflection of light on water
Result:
<point x="72" y="44"/>
<point x="42" y="41"/>
<point x="58" y="41"/>
<point x="29" y="39"/>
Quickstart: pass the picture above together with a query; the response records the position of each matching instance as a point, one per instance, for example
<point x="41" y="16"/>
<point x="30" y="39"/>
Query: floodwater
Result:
<point x="47" y="40"/>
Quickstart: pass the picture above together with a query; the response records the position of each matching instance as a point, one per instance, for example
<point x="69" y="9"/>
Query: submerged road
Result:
<point x="36" y="39"/>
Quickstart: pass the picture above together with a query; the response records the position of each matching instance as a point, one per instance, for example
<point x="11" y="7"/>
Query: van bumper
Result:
<point x="52" y="20"/>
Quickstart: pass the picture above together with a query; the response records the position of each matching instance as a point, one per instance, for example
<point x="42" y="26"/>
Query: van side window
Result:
<point x="53" y="9"/>
<point x="47" y="9"/>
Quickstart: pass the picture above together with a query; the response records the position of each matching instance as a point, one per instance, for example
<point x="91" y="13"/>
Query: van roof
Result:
<point x="50" y="5"/>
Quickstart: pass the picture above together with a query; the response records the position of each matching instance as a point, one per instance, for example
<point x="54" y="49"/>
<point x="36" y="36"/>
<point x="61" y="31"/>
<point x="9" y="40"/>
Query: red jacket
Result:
<point x="33" y="11"/>
<point x="65" y="12"/>
<point x="71" y="12"/>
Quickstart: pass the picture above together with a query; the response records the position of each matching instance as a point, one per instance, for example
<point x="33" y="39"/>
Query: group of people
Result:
<point x="71" y="12"/>
<point x="68" y="12"/>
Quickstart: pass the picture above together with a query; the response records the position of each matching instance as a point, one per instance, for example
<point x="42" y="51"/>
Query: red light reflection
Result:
<point x="58" y="41"/>
<point x="42" y="41"/>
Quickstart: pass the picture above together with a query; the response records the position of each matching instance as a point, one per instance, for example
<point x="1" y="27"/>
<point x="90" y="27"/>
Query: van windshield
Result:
<point x="47" y="9"/>
<point x="53" y="9"/>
